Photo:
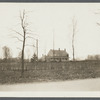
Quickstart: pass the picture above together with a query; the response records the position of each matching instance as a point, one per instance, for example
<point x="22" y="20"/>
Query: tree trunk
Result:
<point x="73" y="53"/>
<point x="23" y="55"/>
<point x="73" y="42"/>
<point x="22" y="63"/>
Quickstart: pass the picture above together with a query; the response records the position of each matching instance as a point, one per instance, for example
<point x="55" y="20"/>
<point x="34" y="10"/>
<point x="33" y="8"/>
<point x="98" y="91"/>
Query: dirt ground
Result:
<point x="76" y="85"/>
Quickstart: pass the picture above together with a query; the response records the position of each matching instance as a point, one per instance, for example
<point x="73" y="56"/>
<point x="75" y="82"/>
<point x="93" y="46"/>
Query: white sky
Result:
<point x="46" y="17"/>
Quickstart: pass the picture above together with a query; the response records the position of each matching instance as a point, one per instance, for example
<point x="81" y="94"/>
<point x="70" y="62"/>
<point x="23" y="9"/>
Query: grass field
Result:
<point x="46" y="71"/>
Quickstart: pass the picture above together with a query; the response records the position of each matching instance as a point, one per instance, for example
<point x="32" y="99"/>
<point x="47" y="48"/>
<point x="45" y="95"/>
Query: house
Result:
<point x="57" y="55"/>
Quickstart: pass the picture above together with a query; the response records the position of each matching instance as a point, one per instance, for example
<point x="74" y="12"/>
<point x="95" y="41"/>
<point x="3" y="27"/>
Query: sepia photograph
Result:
<point x="49" y="47"/>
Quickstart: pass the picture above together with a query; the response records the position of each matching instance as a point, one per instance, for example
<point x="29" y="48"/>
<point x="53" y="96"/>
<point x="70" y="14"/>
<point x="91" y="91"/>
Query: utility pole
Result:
<point x="37" y="48"/>
<point x="53" y="44"/>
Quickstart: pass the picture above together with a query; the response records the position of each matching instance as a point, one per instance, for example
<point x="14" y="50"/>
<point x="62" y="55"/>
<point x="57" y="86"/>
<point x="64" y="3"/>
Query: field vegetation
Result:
<point x="10" y="73"/>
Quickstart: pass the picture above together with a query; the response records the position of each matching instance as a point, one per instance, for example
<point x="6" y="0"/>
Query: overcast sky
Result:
<point x="46" y="18"/>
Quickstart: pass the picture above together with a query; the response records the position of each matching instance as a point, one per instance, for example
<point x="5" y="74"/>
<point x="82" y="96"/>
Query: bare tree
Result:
<point x="25" y="34"/>
<point x="6" y="53"/>
<point x="74" y="30"/>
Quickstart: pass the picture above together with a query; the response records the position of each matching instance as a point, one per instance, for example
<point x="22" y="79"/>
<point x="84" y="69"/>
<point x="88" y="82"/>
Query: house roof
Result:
<point x="57" y="53"/>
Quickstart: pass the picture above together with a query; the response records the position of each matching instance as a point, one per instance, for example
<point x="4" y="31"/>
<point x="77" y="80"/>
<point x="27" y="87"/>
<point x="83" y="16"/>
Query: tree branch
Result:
<point x="28" y="33"/>
<point x="30" y="37"/>
<point x="98" y="24"/>
<point x="22" y="17"/>
<point x="18" y="39"/>
<point x="29" y="45"/>
<point x="18" y="33"/>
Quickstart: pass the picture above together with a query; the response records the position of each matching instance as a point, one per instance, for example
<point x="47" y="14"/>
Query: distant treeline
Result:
<point x="93" y="57"/>
<point x="12" y="60"/>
